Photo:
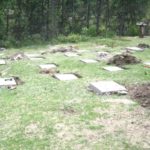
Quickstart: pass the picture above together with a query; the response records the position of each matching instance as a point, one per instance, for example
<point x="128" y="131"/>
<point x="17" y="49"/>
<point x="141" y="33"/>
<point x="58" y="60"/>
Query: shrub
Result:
<point x="72" y="38"/>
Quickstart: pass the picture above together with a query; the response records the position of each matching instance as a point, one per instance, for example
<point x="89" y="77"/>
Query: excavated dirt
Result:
<point x="64" y="49"/>
<point x="141" y="93"/>
<point x="123" y="59"/>
<point x="18" y="56"/>
<point x="143" y="45"/>
<point x="50" y="71"/>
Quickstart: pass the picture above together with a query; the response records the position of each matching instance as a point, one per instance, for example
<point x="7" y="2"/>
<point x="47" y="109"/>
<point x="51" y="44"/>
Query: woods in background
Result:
<point x="46" y="19"/>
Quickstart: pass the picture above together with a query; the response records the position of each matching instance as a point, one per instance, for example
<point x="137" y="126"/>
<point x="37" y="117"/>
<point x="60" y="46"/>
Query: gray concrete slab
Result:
<point x="2" y="62"/>
<point x="69" y="54"/>
<point x="147" y="64"/>
<point x="134" y="49"/>
<point x="7" y="82"/>
<point x="47" y="66"/>
<point x="106" y="87"/>
<point x="89" y="61"/>
<point x="65" y="77"/>
<point x="112" y="68"/>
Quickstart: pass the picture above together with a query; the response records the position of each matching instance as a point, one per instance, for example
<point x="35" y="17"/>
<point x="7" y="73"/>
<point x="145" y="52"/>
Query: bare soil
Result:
<point x="141" y="93"/>
<point x="123" y="59"/>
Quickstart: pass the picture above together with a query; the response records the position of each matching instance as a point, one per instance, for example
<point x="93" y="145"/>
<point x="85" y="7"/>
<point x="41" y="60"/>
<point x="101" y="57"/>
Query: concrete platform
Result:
<point x="112" y="68"/>
<point x="47" y="66"/>
<point x="134" y="49"/>
<point x="71" y="54"/>
<point x="89" y="61"/>
<point x="65" y="77"/>
<point x="7" y="82"/>
<point x="107" y="87"/>
<point x="2" y="62"/>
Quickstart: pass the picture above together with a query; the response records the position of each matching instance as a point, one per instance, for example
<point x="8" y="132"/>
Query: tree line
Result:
<point x="47" y="19"/>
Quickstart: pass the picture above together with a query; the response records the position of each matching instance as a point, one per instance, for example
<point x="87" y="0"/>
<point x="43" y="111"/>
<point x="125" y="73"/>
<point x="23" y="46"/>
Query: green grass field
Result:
<point x="47" y="114"/>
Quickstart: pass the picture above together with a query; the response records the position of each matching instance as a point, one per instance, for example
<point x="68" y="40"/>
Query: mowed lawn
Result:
<point x="48" y="114"/>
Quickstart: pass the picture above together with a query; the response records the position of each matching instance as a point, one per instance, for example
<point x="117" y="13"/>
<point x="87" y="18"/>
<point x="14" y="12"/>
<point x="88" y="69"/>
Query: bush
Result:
<point x="133" y="30"/>
<point x="72" y="38"/>
<point x="89" y="32"/>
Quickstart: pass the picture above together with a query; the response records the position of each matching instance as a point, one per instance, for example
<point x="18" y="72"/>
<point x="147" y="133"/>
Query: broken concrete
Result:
<point x="107" y="87"/>
<point x="65" y="77"/>
<point x="89" y="61"/>
<point x="7" y="82"/>
<point x="112" y="68"/>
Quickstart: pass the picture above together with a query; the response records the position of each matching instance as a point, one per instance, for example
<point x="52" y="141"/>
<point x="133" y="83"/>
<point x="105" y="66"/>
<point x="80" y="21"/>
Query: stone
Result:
<point x="112" y="68"/>
<point x="89" y="61"/>
<point x="134" y="49"/>
<point x="68" y="54"/>
<point x="107" y="87"/>
<point x="2" y="62"/>
<point x="65" y="77"/>
<point x="7" y="82"/>
<point x="47" y="66"/>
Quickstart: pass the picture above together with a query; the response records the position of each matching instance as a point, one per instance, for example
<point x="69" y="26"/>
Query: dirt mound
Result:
<point x="143" y="45"/>
<point x="141" y="93"/>
<point x="50" y="71"/>
<point x="123" y="59"/>
<point x="64" y="49"/>
<point x="18" y="56"/>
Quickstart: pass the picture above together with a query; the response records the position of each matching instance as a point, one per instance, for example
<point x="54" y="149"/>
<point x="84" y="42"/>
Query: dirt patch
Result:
<point x="64" y="49"/>
<point x="123" y="59"/>
<point x="69" y="110"/>
<point x="141" y="93"/>
<point x="33" y="131"/>
<point x="143" y="45"/>
<point x="134" y="125"/>
<point x="50" y="71"/>
<point x="18" y="56"/>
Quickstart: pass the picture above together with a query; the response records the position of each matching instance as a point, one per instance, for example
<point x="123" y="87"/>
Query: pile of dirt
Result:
<point x="64" y="49"/>
<point x="18" y="56"/>
<point x="51" y="71"/>
<point x="141" y="93"/>
<point x="143" y="45"/>
<point x="123" y="59"/>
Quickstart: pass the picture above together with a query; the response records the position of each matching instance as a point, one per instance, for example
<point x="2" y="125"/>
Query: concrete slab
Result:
<point x="2" y="62"/>
<point x="89" y="61"/>
<point x="33" y="55"/>
<point x="47" y="66"/>
<point x="134" y="49"/>
<point x="147" y="64"/>
<point x="65" y="77"/>
<point x="7" y="82"/>
<point x="71" y="54"/>
<point x="112" y="68"/>
<point x="106" y="87"/>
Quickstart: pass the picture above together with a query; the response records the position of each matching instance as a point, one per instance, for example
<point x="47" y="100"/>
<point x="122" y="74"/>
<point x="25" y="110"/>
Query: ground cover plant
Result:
<point x="45" y="113"/>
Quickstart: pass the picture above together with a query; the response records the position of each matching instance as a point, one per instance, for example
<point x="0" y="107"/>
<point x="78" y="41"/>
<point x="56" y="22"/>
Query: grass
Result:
<point x="46" y="102"/>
